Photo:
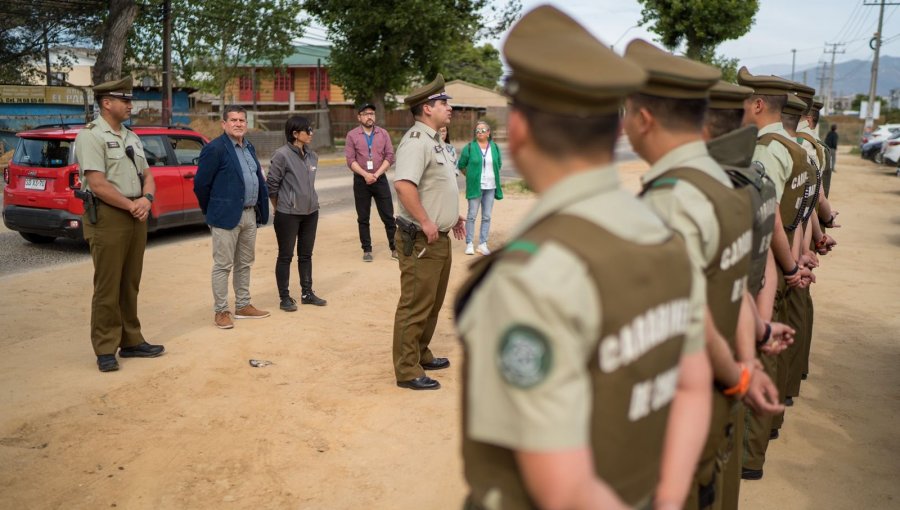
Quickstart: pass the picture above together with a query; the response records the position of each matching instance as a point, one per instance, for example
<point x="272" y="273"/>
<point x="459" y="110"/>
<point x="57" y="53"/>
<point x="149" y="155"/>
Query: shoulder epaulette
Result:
<point x="415" y="134"/>
<point x="89" y="125"/>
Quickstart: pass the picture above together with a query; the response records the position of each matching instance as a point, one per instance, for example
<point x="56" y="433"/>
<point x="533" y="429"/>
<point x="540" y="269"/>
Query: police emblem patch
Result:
<point x="525" y="356"/>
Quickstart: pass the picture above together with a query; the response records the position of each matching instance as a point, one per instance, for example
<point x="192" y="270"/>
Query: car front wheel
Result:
<point x="37" y="238"/>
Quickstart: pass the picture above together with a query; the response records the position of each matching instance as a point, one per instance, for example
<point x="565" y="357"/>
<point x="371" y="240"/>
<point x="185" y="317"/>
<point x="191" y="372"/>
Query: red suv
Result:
<point x="38" y="199"/>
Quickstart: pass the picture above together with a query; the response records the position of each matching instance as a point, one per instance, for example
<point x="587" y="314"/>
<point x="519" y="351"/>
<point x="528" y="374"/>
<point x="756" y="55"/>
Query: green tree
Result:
<point x="212" y="39"/>
<point x="728" y="66"/>
<point x="701" y="25"/>
<point x="29" y="30"/>
<point x="380" y="48"/>
<point x="475" y="64"/>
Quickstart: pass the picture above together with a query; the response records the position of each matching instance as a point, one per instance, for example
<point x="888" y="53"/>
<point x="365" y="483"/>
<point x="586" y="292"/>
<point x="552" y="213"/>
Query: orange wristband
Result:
<point x="743" y="384"/>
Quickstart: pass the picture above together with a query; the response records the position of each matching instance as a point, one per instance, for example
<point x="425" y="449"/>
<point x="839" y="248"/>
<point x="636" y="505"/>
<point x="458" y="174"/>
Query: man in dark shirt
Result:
<point x="831" y="141"/>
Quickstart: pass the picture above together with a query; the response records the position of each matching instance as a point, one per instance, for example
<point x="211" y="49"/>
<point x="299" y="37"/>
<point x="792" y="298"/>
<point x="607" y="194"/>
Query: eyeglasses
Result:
<point x="482" y="130"/>
<point x="367" y="114"/>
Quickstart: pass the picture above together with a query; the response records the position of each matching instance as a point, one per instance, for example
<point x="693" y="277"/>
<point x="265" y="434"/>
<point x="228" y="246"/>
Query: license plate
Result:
<point x="39" y="184"/>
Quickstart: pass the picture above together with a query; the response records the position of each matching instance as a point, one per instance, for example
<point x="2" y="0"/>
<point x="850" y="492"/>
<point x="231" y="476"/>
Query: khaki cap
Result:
<point x="794" y="105"/>
<point x="804" y="92"/>
<point x="817" y="105"/>
<point x="119" y="88"/>
<point x="764" y="85"/>
<point x="425" y="93"/>
<point x="728" y="96"/>
<point x="559" y="67"/>
<point x="669" y="75"/>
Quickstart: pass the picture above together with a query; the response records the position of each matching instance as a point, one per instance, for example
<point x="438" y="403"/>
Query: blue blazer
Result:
<point x="219" y="185"/>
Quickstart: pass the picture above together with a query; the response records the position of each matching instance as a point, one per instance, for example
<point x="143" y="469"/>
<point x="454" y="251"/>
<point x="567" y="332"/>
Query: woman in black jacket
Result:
<point x="291" y="182"/>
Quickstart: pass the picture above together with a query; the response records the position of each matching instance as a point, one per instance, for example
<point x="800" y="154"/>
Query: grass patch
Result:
<point x="516" y="187"/>
<point x="855" y="151"/>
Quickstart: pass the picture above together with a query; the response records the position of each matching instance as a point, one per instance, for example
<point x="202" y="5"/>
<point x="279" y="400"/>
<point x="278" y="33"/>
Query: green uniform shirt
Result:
<point x="422" y="160"/>
<point x="686" y="210"/>
<point x="775" y="158"/>
<point x="98" y="148"/>
<point x="553" y="294"/>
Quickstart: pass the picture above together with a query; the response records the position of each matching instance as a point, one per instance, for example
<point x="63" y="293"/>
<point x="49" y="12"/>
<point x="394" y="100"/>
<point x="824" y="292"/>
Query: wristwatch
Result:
<point x="149" y="196"/>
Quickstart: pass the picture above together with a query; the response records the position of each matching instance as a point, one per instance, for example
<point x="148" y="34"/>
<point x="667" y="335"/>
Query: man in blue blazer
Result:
<point x="232" y="193"/>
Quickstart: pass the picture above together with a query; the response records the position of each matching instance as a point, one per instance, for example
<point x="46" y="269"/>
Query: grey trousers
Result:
<point x="233" y="250"/>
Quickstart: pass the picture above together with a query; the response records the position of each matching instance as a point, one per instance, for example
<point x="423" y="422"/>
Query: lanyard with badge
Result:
<point x="484" y="156"/>
<point x="369" y="139"/>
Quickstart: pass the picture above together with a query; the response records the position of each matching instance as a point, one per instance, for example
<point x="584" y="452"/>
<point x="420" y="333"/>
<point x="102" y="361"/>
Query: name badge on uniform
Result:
<point x="438" y="148"/>
<point x="370" y="165"/>
<point x="113" y="145"/>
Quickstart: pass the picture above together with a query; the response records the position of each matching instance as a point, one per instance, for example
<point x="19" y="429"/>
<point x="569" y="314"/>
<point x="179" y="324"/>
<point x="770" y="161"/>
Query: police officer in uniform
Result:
<point x="112" y="166"/>
<point x="425" y="181"/>
<point x="694" y="196"/>
<point x="732" y="147"/>
<point x="786" y="163"/>
<point x="586" y="384"/>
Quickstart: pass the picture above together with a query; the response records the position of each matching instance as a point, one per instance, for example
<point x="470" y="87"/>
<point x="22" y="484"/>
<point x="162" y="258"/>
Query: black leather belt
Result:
<point x="250" y="207"/>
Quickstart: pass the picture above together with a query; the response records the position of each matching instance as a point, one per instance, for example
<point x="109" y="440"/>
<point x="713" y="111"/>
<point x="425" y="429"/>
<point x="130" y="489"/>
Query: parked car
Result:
<point x="38" y="196"/>
<point x="890" y="151"/>
<point x="883" y="131"/>
<point x="870" y="149"/>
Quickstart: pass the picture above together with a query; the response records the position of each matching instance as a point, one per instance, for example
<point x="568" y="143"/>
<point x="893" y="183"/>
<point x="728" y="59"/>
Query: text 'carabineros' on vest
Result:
<point x="642" y="334"/>
<point x="737" y="250"/>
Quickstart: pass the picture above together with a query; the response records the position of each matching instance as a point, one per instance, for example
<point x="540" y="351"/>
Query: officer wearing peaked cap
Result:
<point x="787" y="165"/>
<point x="695" y="197"/>
<point x="425" y="181"/>
<point x="558" y="409"/>
<point x="113" y="168"/>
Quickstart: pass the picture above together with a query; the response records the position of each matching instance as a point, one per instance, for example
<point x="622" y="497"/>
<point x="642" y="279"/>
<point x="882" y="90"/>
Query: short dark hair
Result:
<point x="834" y="127"/>
<point x="295" y="123"/>
<point x="773" y="103"/>
<point x="722" y="121"/>
<point x="790" y="120"/>
<point x="814" y="115"/>
<point x="674" y="114"/>
<point x="233" y="108"/>
<point x="419" y="109"/>
<point x="571" y="135"/>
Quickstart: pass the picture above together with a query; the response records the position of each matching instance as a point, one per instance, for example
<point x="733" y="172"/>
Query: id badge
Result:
<point x="370" y="165"/>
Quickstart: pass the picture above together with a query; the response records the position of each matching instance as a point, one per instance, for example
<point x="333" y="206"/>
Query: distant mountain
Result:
<point x="850" y="77"/>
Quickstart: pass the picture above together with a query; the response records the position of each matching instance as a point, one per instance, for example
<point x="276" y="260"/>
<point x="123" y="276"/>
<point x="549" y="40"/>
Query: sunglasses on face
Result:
<point x="308" y="131"/>
<point x="481" y="130"/>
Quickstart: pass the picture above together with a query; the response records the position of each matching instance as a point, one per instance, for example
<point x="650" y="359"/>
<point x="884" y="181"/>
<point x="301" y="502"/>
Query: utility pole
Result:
<point x="166" y="112"/>
<point x="821" y="78"/>
<point x="874" y="81"/>
<point x="793" y="62"/>
<point x="829" y="102"/>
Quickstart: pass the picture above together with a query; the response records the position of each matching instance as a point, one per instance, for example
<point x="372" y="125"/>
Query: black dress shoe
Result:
<point x="789" y="401"/>
<point x="751" y="474"/>
<point x="773" y="434"/>
<point x="804" y="376"/>
<point x="142" y="350"/>
<point x="107" y="363"/>
<point x="436" y="364"/>
<point x="420" y="383"/>
<point x="310" y="298"/>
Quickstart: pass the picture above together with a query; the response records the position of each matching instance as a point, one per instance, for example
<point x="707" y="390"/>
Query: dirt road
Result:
<point x="324" y="427"/>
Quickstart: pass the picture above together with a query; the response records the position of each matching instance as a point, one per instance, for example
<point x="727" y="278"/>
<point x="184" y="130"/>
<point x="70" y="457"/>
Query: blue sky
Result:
<point x="773" y="35"/>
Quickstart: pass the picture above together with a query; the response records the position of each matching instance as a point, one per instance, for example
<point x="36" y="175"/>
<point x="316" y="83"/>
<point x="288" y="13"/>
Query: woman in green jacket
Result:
<point x="480" y="162"/>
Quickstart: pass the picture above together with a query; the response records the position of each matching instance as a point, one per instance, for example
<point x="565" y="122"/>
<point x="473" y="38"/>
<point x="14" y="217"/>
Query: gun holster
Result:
<point x="90" y="204"/>
<point x="408" y="232"/>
